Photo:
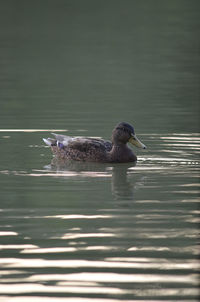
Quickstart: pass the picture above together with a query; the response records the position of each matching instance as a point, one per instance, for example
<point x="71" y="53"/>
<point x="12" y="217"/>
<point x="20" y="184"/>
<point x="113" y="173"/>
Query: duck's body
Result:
<point x="97" y="150"/>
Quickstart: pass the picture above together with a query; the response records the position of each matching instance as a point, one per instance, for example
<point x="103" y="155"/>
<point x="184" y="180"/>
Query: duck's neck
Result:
<point x="121" y="153"/>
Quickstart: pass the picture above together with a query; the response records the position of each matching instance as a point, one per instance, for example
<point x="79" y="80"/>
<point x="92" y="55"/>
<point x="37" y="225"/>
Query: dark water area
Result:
<point x="70" y="63"/>
<point x="88" y="231"/>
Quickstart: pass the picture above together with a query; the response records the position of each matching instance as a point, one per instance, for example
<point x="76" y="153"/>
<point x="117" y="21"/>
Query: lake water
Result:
<point x="99" y="232"/>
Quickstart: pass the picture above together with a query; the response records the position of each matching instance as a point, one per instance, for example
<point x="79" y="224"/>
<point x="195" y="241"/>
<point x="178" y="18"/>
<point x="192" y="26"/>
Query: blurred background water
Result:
<point x="95" y="232"/>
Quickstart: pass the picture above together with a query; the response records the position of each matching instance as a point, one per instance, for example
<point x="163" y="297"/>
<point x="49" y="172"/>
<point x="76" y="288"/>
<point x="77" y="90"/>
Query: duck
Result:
<point x="90" y="149"/>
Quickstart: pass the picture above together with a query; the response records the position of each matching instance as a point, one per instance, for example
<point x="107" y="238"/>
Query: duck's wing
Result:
<point x="84" y="144"/>
<point x="64" y="139"/>
<point x="59" y="139"/>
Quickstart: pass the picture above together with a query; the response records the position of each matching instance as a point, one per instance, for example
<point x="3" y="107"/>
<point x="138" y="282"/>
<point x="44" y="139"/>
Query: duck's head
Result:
<point x="124" y="133"/>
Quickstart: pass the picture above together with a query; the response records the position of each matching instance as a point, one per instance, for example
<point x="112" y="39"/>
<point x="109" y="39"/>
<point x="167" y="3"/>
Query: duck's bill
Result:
<point x="136" y="142"/>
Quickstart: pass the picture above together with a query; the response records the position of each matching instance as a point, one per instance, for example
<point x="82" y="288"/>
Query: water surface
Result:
<point x="104" y="231"/>
<point x="99" y="232"/>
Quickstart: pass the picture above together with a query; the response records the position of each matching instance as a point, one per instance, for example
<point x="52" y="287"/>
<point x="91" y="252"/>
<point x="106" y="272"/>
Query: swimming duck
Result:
<point x="97" y="150"/>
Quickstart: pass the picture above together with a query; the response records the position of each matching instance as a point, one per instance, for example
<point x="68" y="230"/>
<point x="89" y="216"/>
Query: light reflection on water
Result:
<point x="89" y="232"/>
<point x="134" y="233"/>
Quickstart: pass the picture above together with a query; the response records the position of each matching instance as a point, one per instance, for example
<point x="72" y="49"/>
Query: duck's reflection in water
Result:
<point x="121" y="185"/>
<point x="123" y="180"/>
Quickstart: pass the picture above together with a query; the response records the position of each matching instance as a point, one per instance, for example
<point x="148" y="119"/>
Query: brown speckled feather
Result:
<point x="97" y="150"/>
<point x="90" y="149"/>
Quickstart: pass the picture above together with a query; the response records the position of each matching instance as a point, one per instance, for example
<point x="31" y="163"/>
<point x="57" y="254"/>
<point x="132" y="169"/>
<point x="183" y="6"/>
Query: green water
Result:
<point x="99" y="232"/>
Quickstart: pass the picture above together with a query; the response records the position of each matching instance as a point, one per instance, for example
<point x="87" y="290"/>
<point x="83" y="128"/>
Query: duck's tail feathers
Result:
<point x="49" y="141"/>
<point x="63" y="139"/>
<point x="60" y="137"/>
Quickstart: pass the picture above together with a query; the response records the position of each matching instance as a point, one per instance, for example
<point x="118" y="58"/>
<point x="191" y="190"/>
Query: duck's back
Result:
<point x="81" y="148"/>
